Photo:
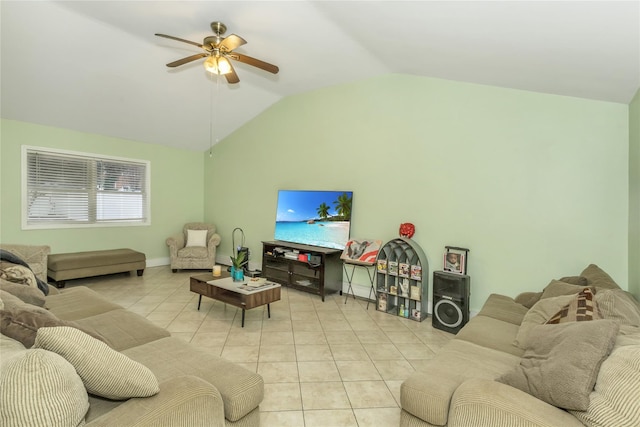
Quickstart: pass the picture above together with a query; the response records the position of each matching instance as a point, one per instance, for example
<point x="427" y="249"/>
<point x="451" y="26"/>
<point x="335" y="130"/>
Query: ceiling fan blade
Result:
<point x="255" y="62"/>
<point x="186" y="60"/>
<point x="231" y="76"/>
<point x="179" y="39"/>
<point x="232" y="42"/>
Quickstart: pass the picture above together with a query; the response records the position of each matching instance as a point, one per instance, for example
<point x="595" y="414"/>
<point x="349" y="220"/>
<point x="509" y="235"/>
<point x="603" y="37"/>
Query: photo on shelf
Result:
<point x="403" y="269"/>
<point x="393" y="267"/>
<point x="415" y="293"/>
<point x="404" y="287"/>
<point x="382" y="265"/>
<point x="454" y="262"/>
<point x="393" y="290"/>
<point x="416" y="272"/>
<point x="382" y="302"/>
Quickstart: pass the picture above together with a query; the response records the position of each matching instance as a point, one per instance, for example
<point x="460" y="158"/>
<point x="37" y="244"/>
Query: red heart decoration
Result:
<point x="407" y="230"/>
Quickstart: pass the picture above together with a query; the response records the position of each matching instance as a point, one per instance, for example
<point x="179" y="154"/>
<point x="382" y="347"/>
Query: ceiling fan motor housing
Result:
<point x="218" y="28"/>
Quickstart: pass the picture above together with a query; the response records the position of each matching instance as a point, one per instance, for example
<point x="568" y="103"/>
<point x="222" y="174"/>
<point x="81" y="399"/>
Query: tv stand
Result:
<point x="317" y="271"/>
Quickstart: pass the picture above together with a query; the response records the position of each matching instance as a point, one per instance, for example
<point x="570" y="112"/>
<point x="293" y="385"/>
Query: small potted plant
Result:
<point x="237" y="272"/>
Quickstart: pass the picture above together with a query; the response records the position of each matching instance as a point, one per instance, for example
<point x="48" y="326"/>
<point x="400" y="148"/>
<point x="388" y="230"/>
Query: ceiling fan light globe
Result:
<point x="223" y="65"/>
<point x="217" y="65"/>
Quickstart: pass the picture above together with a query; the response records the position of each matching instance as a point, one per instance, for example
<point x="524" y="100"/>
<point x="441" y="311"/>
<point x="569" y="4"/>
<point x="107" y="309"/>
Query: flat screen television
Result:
<point x="316" y="218"/>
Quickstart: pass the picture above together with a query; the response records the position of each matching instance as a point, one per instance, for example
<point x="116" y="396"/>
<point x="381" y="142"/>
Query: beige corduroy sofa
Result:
<point x="466" y="383"/>
<point x="185" y="385"/>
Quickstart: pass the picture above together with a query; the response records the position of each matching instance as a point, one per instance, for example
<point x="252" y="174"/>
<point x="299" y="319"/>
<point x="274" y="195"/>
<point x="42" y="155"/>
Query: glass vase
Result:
<point x="237" y="275"/>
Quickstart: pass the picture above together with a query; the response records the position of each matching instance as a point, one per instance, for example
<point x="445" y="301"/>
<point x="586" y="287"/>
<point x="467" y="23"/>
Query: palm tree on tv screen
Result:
<point x="323" y="210"/>
<point x="343" y="206"/>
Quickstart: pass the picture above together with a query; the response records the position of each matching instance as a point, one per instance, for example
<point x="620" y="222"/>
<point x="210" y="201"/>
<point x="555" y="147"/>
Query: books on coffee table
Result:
<point x="256" y="282"/>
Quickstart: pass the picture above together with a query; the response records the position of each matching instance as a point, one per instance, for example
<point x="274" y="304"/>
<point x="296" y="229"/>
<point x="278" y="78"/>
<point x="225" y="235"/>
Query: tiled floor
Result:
<point x="324" y="364"/>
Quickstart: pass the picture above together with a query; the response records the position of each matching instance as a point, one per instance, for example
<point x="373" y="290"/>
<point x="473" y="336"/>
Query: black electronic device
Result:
<point x="451" y="295"/>
<point x="241" y="248"/>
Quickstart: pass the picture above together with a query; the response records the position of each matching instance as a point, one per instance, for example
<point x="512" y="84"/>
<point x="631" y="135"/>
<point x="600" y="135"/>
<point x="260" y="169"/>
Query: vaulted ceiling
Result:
<point x="96" y="66"/>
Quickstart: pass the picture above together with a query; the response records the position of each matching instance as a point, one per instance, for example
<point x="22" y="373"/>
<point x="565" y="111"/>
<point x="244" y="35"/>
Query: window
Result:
<point x="69" y="189"/>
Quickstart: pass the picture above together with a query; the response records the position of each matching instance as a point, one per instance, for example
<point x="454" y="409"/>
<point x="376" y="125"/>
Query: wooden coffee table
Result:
<point x="224" y="289"/>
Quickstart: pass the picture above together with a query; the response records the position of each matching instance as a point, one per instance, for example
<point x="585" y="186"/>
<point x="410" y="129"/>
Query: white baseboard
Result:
<point x="157" y="262"/>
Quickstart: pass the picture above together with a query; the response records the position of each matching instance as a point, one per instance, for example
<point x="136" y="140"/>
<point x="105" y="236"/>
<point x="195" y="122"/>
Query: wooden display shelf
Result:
<point x="321" y="276"/>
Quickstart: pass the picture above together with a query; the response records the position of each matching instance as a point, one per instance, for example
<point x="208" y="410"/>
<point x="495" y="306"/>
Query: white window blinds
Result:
<point x="77" y="189"/>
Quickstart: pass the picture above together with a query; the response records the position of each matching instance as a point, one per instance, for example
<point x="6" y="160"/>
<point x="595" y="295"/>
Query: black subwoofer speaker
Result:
<point x="451" y="293"/>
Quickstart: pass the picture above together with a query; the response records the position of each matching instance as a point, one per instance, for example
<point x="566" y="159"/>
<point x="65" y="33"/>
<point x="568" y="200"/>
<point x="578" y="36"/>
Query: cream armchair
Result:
<point x="193" y="249"/>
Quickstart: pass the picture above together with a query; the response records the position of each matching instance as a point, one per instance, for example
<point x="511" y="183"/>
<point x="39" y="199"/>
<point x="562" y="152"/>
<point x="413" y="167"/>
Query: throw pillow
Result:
<point x="614" y="402"/>
<point x="22" y="323"/>
<point x="40" y="388"/>
<point x="581" y="308"/>
<point x="28" y="294"/>
<point x="104" y="371"/>
<point x="541" y="311"/>
<point x="557" y="288"/>
<point x="196" y="238"/>
<point x="561" y="363"/>
<point x="620" y="306"/>
<point x="597" y="277"/>
<point x="575" y="280"/>
<point x="9" y="300"/>
<point x="17" y="274"/>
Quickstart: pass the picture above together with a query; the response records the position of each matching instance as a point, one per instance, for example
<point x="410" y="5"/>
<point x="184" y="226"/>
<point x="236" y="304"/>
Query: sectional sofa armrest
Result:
<point x="427" y="396"/>
<point x="499" y="404"/>
<point x="528" y="299"/>
<point x="175" y="243"/>
<point x="182" y="401"/>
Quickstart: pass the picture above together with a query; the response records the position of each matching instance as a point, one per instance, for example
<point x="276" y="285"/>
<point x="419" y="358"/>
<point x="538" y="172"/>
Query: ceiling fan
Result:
<point x="219" y="50"/>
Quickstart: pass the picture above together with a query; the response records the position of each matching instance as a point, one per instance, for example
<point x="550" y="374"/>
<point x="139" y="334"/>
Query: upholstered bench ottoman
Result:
<point x="76" y="265"/>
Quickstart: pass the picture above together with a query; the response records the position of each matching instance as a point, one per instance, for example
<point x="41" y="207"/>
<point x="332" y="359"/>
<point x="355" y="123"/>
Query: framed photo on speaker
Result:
<point x="454" y="262"/>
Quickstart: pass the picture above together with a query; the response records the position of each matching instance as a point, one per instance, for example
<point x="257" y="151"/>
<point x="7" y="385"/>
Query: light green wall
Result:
<point x="634" y="196"/>
<point x="536" y="185"/>
<point x="177" y="188"/>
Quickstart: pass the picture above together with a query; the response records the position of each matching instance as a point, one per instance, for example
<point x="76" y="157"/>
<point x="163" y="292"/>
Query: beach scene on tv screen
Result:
<point x="318" y="218"/>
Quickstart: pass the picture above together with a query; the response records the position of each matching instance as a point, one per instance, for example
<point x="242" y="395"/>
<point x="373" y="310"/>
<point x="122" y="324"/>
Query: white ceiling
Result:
<point x="96" y="66"/>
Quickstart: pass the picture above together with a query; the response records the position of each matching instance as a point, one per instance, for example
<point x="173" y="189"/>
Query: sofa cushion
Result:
<point x="491" y="333"/>
<point x="528" y="299"/>
<point x="104" y="371"/>
<point x="582" y="308"/>
<point x="78" y="303"/>
<point x="599" y="278"/>
<point x="614" y="402"/>
<point x="503" y="308"/>
<point x="557" y="288"/>
<point x="28" y="294"/>
<point x="427" y="393"/>
<point x="242" y="390"/>
<point x="123" y="329"/>
<point x="538" y="315"/>
<point x="193" y="252"/>
<point x="561" y="362"/>
<point x="620" y="306"/>
<point x="40" y="388"/>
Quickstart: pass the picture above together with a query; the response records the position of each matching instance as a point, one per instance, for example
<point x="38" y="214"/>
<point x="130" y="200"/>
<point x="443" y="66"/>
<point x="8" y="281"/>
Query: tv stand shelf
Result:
<point x="320" y="275"/>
